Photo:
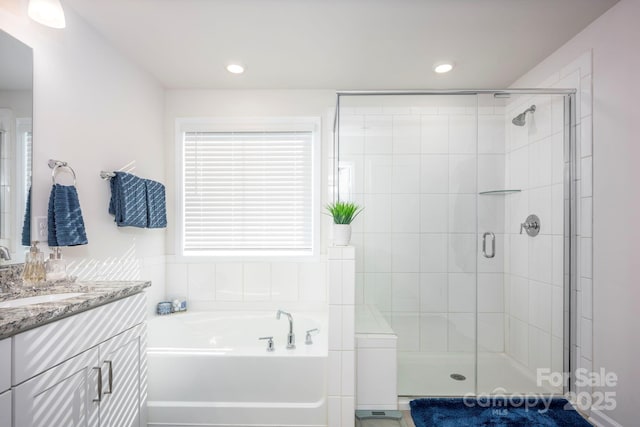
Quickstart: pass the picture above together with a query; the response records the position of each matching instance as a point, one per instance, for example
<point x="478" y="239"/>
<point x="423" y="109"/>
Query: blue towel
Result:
<point x="128" y="200"/>
<point x="66" y="226"/>
<point x="26" y="224"/>
<point x="156" y="204"/>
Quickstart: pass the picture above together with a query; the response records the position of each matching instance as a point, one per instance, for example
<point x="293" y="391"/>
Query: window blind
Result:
<point x="247" y="191"/>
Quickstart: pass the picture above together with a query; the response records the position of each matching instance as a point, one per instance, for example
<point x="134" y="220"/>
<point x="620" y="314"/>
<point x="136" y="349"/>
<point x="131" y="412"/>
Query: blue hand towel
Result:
<point x="128" y="200"/>
<point x="156" y="205"/>
<point x="26" y="224"/>
<point x="66" y="226"/>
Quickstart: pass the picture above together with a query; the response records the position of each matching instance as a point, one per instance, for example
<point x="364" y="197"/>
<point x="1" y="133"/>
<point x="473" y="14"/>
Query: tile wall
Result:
<point x="414" y="169"/>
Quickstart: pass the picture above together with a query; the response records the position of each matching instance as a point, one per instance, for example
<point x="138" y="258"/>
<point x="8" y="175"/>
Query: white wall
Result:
<point x="209" y="283"/>
<point x="613" y="40"/>
<point x="95" y="110"/>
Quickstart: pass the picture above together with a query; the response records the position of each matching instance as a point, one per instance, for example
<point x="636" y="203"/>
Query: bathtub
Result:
<point x="210" y="369"/>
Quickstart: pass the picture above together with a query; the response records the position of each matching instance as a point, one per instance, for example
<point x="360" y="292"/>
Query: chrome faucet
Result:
<point x="4" y="253"/>
<point x="291" y="338"/>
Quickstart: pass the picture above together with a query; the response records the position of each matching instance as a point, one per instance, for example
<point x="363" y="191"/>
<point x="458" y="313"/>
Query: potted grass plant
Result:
<point x="343" y="214"/>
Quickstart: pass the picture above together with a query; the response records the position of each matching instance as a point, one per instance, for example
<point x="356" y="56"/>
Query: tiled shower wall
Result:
<point x="534" y="266"/>
<point x="414" y="170"/>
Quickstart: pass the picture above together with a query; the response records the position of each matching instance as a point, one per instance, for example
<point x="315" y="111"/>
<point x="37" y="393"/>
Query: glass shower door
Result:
<point x="520" y="305"/>
<point x="412" y="163"/>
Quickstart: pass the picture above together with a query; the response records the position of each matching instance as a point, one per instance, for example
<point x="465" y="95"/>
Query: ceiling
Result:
<point x="338" y="44"/>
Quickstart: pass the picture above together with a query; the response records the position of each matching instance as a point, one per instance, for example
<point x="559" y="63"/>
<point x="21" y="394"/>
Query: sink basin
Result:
<point x="20" y="302"/>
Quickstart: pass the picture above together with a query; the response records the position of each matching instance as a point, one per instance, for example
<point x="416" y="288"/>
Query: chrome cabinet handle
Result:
<point x="110" y="377"/>
<point x="493" y="244"/>
<point x="99" y="399"/>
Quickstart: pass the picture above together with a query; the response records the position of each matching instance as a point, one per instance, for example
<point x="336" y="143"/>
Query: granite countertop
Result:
<point x="18" y="319"/>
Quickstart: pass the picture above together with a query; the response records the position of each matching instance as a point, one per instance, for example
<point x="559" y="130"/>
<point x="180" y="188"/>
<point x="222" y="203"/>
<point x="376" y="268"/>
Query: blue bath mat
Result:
<point x="495" y="412"/>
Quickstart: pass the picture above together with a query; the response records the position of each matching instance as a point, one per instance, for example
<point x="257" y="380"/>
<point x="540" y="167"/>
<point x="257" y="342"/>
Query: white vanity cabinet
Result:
<point x="87" y="370"/>
<point x="5" y="382"/>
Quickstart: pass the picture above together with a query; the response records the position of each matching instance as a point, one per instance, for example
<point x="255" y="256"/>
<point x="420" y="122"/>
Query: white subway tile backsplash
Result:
<point x="540" y="173"/>
<point x="434" y="213"/>
<point x="335" y="327"/>
<point x="284" y="281"/>
<point x="257" y="281"/>
<point x="377" y="213"/>
<point x="229" y="282"/>
<point x="347" y="408"/>
<point x="519" y="298"/>
<point x="586" y="338"/>
<point x="201" y="282"/>
<point x="586" y="216"/>
<point x="540" y="258"/>
<point x="586" y="257"/>
<point x="177" y="280"/>
<point x="586" y="290"/>
<point x="348" y="281"/>
<point x="519" y="340"/>
<point x="557" y="311"/>
<point x="312" y="283"/>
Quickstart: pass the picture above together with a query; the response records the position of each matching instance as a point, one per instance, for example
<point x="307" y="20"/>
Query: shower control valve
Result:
<point x="270" y="345"/>
<point x="531" y="225"/>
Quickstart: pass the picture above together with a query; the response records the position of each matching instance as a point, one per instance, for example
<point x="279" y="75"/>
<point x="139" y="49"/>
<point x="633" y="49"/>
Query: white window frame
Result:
<point x="249" y="124"/>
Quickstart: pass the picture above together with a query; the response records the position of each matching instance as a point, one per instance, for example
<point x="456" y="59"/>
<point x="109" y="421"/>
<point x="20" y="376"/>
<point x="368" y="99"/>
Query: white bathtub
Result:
<point x="209" y="369"/>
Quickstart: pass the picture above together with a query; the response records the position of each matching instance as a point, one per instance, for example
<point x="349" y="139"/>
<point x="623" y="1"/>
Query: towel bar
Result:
<point x="107" y="175"/>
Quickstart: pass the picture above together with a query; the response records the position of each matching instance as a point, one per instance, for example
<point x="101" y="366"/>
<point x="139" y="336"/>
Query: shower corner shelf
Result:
<point x="498" y="192"/>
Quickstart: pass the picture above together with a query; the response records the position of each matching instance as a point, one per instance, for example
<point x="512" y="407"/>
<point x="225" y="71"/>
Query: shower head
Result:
<point x="520" y="119"/>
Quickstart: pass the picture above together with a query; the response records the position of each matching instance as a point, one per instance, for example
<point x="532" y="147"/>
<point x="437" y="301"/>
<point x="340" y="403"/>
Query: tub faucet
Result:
<point x="4" y="253"/>
<point x="291" y="338"/>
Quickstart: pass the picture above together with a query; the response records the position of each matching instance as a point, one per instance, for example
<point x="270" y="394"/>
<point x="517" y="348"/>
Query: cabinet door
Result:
<point x="65" y="395"/>
<point x="5" y="409"/>
<point x="121" y="358"/>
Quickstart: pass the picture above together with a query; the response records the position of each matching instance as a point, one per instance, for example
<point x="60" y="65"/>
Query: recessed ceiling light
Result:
<point x="443" y="68"/>
<point x="235" y="69"/>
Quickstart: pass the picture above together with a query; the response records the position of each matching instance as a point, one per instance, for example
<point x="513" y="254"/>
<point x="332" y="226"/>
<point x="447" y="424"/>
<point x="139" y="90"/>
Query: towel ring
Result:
<point x="55" y="165"/>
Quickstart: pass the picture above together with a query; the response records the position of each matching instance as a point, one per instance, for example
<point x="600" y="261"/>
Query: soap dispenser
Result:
<point x="34" y="271"/>
<point x="56" y="267"/>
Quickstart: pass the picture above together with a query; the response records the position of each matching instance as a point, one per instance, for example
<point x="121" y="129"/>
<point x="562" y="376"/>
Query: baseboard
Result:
<point x="601" y="420"/>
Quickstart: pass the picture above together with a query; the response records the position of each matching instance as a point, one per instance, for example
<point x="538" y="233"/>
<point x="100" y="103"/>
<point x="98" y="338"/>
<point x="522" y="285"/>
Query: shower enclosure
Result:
<point x="464" y="244"/>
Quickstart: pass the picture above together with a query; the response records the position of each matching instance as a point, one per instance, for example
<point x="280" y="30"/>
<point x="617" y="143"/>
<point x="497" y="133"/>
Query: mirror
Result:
<point x="16" y="112"/>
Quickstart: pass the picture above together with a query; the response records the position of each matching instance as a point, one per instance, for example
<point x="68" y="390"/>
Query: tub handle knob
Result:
<point x="270" y="345"/>
<point x="307" y="339"/>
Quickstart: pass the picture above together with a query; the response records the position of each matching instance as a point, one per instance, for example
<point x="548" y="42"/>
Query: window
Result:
<point x="248" y="191"/>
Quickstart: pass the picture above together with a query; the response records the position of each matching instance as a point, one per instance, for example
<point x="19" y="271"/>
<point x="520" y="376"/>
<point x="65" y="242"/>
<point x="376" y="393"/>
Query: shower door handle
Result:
<point x="493" y="244"/>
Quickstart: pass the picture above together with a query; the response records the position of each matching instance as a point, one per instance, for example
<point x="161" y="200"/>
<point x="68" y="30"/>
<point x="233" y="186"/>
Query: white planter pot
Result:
<point x="341" y="234"/>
